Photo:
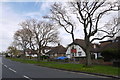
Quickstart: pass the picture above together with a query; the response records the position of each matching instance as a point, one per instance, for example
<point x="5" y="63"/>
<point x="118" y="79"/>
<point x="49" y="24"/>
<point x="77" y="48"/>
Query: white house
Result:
<point x="76" y="49"/>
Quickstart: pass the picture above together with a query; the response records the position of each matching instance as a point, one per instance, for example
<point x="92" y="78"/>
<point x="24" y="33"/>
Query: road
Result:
<point x="12" y="69"/>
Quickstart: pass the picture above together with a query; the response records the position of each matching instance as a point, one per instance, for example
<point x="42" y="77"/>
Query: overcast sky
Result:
<point x="12" y="13"/>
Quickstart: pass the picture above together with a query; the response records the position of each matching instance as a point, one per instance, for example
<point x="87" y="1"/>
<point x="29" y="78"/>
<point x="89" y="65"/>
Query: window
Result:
<point x="73" y="51"/>
<point x="117" y="40"/>
<point x="79" y="53"/>
<point x="73" y="54"/>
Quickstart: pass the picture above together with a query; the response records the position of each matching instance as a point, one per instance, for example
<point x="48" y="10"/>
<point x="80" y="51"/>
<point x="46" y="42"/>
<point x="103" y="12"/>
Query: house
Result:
<point x="95" y="50"/>
<point x="45" y="50"/>
<point x="30" y="53"/>
<point x="98" y="48"/>
<point x="57" y="51"/>
<point x="77" y="49"/>
<point x="110" y="44"/>
<point x="107" y="45"/>
<point x="110" y="51"/>
<point x="103" y="44"/>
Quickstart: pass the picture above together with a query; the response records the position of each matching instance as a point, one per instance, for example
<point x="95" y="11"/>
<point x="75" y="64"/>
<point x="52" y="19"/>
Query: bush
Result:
<point x="110" y="54"/>
<point x="116" y="63"/>
<point x="100" y="58"/>
<point x="44" y="57"/>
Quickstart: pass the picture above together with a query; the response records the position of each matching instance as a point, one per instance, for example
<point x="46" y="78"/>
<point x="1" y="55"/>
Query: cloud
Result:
<point x="9" y="21"/>
<point x="19" y="0"/>
<point x="43" y="10"/>
<point x="65" y="38"/>
<point x="45" y="5"/>
<point x="36" y="15"/>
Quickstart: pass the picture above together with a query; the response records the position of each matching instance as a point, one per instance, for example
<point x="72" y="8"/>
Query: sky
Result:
<point x="12" y="12"/>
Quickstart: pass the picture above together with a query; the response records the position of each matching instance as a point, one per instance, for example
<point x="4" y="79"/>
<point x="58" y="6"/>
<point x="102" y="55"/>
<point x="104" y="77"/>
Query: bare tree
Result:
<point x="60" y="16"/>
<point x="43" y="33"/>
<point x="30" y="37"/>
<point x="13" y="50"/>
<point x="22" y="37"/>
<point x="89" y="14"/>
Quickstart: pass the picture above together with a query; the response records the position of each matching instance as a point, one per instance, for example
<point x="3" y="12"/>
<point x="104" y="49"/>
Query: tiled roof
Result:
<point x="81" y="43"/>
<point x="110" y="45"/>
<point x="113" y="45"/>
<point x="58" y="49"/>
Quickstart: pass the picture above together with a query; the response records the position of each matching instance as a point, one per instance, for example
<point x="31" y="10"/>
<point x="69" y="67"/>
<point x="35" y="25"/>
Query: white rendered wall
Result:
<point x="78" y="48"/>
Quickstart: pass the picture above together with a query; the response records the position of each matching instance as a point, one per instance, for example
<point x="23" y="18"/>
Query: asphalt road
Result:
<point x="12" y="69"/>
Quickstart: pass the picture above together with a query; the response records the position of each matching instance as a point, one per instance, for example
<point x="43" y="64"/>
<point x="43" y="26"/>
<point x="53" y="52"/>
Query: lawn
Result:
<point x="109" y="70"/>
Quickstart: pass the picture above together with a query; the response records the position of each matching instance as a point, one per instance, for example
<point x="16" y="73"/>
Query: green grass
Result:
<point x="79" y="67"/>
<point x="31" y="61"/>
<point x="109" y="70"/>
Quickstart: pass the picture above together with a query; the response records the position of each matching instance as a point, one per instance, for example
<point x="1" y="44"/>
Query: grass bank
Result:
<point x="108" y="70"/>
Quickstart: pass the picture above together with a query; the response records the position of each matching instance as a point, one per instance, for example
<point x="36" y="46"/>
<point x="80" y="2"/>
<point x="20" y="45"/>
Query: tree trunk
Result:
<point x="24" y="51"/>
<point x="38" y="57"/>
<point x="88" y="57"/>
<point x="87" y="51"/>
<point x="39" y="52"/>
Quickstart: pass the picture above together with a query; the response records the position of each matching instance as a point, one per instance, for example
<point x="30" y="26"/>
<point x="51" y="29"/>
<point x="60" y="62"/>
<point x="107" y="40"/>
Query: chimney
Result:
<point x="58" y="44"/>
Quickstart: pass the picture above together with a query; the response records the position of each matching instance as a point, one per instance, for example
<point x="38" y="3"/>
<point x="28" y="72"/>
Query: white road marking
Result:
<point x="15" y="72"/>
<point x="12" y="70"/>
<point x="27" y="77"/>
<point x="5" y="66"/>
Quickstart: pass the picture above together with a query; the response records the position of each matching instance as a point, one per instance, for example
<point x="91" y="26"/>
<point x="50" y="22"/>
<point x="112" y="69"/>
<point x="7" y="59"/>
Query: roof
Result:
<point x="82" y="44"/>
<point x="31" y="51"/>
<point x="58" y="49"/>
<point x="47" y="47"/>
<point x="118" y="38"/>
<point x="105" y="41"/>
<point x="113" y="45"/>
<point x="110" y="45"/>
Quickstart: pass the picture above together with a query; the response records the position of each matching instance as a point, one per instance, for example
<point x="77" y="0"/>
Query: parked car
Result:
<point x="61" y="58"/>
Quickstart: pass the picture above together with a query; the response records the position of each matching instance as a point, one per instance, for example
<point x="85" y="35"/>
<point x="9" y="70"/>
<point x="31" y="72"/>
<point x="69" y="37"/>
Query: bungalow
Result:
<point x="56" y="51"/>
<point x="46" y="49"/>
<point x="30" y="53"/>
<point x="109" y="50"/>
<point x="112" y="44"/>
<point x="76" y="49"/>
<point x="108" y="45"/>
<point x="103" y="44"/>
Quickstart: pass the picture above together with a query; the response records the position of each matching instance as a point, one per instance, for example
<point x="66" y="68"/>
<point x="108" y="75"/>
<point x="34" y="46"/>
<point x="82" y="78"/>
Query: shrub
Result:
<point x="111" y="54"/>
<point x="44" y="57"/>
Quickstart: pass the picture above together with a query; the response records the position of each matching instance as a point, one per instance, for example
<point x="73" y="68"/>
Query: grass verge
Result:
<point x="107" y="70"/>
